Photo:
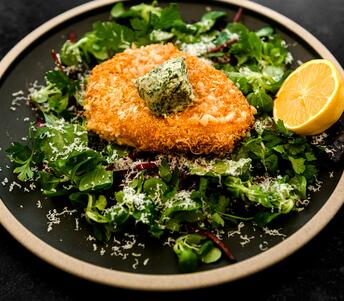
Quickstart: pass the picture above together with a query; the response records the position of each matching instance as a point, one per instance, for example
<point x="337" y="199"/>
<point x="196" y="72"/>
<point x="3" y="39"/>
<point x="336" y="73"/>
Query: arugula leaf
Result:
<point x="52" y="185"/>
<point x="192" y="248"/>
<point x="94" y="209"/>
<point x="298" y="164"/>
<point x="97" y="179"/>
<point x="187" y="259"/>
<point x="118" y="10"/>
<point x="261" y="101"/>
<point x="61" y="81"/>
<point x="164" y="171"/>
<point x="70" y="54"/>
<point x="264" y="218"/>
<point x="154" y="188"/>
<point x="222" y="167"/>
<point x="144" y="11"/>
<point x="300" y="185"/>
<point x="212" y="255"/>
<point x="216" y="218"/>
<point x="160" y="36"/>
<point x="266" y="31"/>
<point x="206" y="23"/>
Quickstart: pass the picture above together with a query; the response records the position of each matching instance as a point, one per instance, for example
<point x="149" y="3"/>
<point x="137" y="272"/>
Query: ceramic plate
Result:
<point x="58" y="234"/>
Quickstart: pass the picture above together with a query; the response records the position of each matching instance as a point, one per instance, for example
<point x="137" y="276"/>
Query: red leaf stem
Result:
<point x="72" y="37"/>
<point x="217" y="242"/>
<point x="57" y="60"/>
<point x="145" y="165"/>
<point x="237" y="16"/>
<point x="226" y="44"/>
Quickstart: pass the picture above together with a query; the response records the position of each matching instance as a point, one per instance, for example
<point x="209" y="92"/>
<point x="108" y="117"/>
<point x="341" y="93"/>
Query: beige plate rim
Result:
<point x="182" y="281"/>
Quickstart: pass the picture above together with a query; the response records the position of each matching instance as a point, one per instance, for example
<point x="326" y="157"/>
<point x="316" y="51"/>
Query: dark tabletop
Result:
<point x="316" y="272"/>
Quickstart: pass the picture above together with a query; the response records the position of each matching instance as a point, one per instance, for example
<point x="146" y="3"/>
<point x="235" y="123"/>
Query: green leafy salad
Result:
<point x="184" y="196"/>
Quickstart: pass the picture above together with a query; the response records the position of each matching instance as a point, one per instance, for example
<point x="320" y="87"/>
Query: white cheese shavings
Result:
<point x="19" y="98"/>
<point x="289" y="58"/>
<point x="54" y="217"/>
<point x="90" y="238"/>
<point x="77" y="227"/>
<point x="263" y="246"/>
<point x="236" y="232"/>
<point x="273" y="232"/>
<point x="145" y="262"/>
<point x="245" y="239"/>
<point x="134" y="266"/>
<point x="170" y="241"/>
<point x="316" y="187"/>
<point x="4" y="182"/>
<point x="14" y="184"/>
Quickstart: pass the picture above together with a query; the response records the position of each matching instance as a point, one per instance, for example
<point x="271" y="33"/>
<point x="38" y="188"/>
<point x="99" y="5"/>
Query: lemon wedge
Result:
<point x="311" y="99"/>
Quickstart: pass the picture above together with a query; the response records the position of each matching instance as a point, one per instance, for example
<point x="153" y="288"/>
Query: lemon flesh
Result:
<point x="311" y="99"/>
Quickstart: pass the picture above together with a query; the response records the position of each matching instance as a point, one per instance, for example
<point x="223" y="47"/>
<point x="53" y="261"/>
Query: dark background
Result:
<point x="316" y="272"/>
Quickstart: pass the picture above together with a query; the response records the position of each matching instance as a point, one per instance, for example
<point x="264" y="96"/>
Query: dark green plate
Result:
<point x="67" y="246"/>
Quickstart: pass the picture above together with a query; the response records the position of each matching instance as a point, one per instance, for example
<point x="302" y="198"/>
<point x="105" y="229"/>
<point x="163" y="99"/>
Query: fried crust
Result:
<point x="219" y="116"/>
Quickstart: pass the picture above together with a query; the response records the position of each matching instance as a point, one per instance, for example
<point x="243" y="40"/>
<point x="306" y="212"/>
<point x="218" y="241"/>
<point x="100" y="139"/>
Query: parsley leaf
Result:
<point x="298" y="164"/>
<point x="113" y="36"/>
<point x="167" y="18"/>
<point x="261" y="101"/>
<point x="22" y="156"/>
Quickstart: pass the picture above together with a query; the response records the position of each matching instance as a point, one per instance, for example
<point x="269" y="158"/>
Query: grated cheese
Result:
<point x="273" y="232"/>
<point x="263" y="246"/>
<point x="19" y="97"/>
<point x="90" y="238"/>
<point x="14" y="184"/>
<point x="95" y="247"/>
<point x="236" y="232"/>
<point x="134" y="266"/>
<point x="170" y="241"/>
<point x="145" y="262"/>
<point x="316" y="187"/>
<point x="245" y="239"/>
<point x="77" y="228"/>
<point x="4" y="182"/>
<point x="54" y="217"/>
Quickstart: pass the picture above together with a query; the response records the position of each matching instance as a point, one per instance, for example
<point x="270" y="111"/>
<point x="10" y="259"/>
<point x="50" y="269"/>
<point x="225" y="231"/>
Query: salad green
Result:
<point x="180" y="195"/>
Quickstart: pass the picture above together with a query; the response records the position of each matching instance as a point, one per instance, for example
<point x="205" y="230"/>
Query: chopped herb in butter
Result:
<point x="166" y="88"/>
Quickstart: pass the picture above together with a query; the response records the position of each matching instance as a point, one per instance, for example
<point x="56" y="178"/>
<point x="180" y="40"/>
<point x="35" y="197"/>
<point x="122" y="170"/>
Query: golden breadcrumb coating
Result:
<point x="219" y="116"/>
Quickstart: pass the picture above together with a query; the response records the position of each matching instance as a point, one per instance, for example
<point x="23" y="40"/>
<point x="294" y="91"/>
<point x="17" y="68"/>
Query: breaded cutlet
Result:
<point x="219" y="116"/>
